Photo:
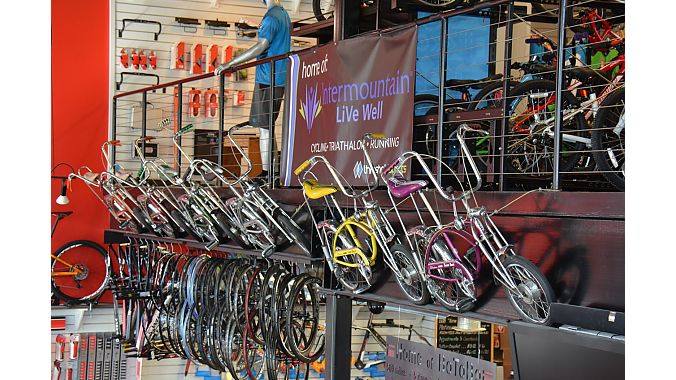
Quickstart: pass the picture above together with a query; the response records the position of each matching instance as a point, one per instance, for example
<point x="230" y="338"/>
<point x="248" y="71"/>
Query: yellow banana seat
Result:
<point x="316" y="190"/>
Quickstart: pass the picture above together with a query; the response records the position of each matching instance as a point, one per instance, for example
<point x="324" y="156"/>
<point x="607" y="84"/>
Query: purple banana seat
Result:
<point x="401" y="188"/>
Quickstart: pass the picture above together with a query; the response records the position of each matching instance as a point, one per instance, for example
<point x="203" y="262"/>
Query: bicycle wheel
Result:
<point x="352" y="271"/>
<point x="608" y="138"/>
<point x="257" y="230"/>
<point x="323" y="9"/>
<point x="450" y="282"/>
<point x="166" y="229"/>
<point x="435" y="5"/>
<point x="87" y="256"/>
<point x="226" y="229"/>
<point x="302" y="320"/>
<point x="142" y="219"/>
<point x="491" y="96"/>
<point x="530" y="139"/>
<point x="412" y="283"/>
<point x="533" y="294"/>
<point x="291" y="228"/>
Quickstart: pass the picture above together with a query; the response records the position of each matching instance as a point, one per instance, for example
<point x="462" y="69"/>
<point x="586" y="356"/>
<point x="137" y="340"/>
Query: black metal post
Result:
<point x="271" y="128"/>
<point x="559" y="88"/>
<point x="377" y="14"/>
<point x="505" y="91"/>
<point x="114" y="131"/>
<point x="144" y="121"/>
<point x="221" y="117"/>
<point x="338" y="336"/>
<point x="443" y="35"/>
<point x="179" y="122"/>
<point x="338" y="15"/>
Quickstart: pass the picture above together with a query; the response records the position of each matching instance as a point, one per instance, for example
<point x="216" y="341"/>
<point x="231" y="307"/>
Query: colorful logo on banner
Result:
<point x="311" y="107"/>
<point x="339" y="92"/>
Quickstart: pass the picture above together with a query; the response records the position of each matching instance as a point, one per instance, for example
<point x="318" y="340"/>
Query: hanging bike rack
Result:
<point x="157" y="79"/>
<point x="189" y="24"/>
<point x="217" y="26"/>
<point x="139" y="21"/>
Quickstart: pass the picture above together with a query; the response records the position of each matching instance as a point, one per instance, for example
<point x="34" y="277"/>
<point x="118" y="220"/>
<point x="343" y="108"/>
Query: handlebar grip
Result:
<point x="536" y="40"/>
<point x="115" y="142"/>
<point x="164" y="123"/>
<point x="301" y="167"/>
<point x="149" y="138"/>
<point x="185" y="129"/>
<point x="390" y="166"/>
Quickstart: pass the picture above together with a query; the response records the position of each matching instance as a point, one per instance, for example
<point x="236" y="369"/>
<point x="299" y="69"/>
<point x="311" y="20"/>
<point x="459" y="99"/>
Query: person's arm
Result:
<point x="248" y="55"/>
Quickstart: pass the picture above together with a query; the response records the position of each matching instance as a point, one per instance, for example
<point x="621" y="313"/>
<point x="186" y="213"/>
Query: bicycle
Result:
<point x="529" y="141"/>
<point x="250" y="197"/>
<point x="112" y="183"/>
<point x="351" y="243"/>
<point x="608" y="138"/>
<point x="450" y="255"/>
<point x="80" y="269"/>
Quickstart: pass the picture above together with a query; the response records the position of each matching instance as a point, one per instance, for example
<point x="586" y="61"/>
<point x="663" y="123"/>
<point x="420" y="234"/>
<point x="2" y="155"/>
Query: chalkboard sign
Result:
<point x="474" y="344"/>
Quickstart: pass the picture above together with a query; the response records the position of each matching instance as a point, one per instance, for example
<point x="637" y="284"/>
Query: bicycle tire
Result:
<point x="259" y="236"/>
<point x="410" y="272"/>
<point x="303" y="353"/>
<point x="253" y="350"/>
<point x="535" y="281"/>
<point x="93" y="256"/>
<point x="183" y="228"/>
<point x="351" y="277"/>
<point x="435" y="5"/>
<point x="457" y="294"/>
<point x="226" y="230"/>
<point x="490" y="96"/>
<point x="607" y="146"/>
<point x="292" y="229"/>
<point x="166" y="230"/>
<point x="531" y="153"/>
<point x="321" y="8"/>
<point x="141" y="218"/>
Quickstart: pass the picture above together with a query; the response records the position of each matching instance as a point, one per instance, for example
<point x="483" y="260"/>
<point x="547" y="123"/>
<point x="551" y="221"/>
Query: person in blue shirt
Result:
<point x="274" y="38"/>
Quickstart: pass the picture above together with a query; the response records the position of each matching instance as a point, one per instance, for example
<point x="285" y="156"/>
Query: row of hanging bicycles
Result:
<point x="431" y="259"/>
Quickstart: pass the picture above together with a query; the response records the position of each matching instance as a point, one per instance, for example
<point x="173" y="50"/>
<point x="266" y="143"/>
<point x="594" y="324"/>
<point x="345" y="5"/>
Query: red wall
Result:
<point x="80" y="102"/>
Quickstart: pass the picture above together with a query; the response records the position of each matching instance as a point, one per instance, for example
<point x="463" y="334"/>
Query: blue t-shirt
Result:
<point x="276" y="28"/>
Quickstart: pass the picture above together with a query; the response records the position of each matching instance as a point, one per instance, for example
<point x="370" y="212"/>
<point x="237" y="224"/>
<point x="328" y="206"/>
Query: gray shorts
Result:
<point x="259" y="115"/>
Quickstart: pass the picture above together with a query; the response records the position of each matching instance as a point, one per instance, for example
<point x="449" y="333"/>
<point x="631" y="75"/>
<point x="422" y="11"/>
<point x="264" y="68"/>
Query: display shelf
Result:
<point x="291" y="254"/>
<point x="429" y="309"/>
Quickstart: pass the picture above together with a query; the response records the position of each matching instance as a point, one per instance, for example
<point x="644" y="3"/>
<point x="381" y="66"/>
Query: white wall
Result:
<point x="140" y="37"/>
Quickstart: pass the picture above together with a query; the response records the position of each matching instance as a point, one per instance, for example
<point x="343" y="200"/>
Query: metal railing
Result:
<point x="441" y="118"/>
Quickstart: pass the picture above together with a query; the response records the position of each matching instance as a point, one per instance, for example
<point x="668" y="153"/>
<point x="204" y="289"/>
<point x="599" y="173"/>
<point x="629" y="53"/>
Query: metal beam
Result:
<point x="338" y="352"/>
<point x="559" y="88"/>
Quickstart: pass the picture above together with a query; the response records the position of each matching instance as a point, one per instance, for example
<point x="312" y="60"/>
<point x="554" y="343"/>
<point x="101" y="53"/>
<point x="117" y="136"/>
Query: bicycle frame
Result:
<point x="588" y="107"/>
<point x="369" y="218"/>
<point x="483" y="232"/>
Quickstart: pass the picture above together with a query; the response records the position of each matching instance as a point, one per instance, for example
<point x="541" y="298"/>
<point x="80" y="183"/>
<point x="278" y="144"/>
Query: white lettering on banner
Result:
<point x="313" y="69"/>
<point x="353" y="145"/>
